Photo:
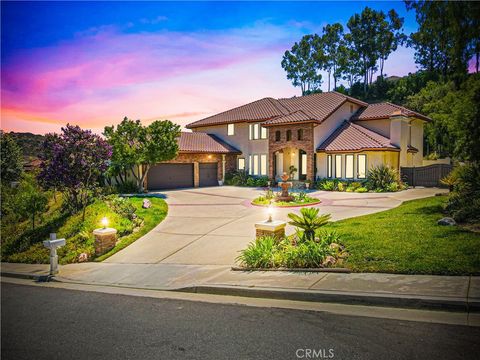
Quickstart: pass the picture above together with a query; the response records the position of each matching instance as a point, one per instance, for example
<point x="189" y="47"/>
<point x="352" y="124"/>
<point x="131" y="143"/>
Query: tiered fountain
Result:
<point x="284" y="196"/>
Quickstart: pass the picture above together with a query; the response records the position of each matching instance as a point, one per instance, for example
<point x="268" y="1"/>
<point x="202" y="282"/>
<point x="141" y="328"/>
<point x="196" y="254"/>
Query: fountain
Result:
<point x="284" y="185"/>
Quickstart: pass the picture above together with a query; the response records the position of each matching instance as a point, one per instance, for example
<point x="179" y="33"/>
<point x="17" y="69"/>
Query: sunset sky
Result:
<point x="91" y="64"/>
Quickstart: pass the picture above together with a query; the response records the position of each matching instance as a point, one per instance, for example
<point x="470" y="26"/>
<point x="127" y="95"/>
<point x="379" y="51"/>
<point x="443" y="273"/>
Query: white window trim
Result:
<point x="238" y="163"/>
<point x="256" y="129"/>
<point x="349" y="156"/>
<point x="250" y="168"/>
<point x="358" y="166"/>
<point x="263" y="133"/>
<point x="304" y="165"/>
<point x="329" y="166"/>
<point x="338" y="176"/>
<point x="255" y="164"/>
<point x="232" y="128"/>
<point x="263" y="161"/>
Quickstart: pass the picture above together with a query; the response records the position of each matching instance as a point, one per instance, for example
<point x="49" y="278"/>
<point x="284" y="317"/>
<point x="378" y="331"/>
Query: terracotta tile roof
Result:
<point x="353" y="137"/>
<point x="385" y="110"/>
<point x="315" y="107"/>
<point x="197" y="142"/>
<point x="263" y="109"/>
<point x="297" y="116"/>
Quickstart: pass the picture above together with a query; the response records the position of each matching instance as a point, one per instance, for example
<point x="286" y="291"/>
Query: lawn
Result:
<point x="408" y="240"/>
<point x="28" y="247"/>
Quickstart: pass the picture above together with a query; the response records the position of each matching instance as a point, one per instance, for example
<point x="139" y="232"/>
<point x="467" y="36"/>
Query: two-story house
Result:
<point x="326" y="135"/>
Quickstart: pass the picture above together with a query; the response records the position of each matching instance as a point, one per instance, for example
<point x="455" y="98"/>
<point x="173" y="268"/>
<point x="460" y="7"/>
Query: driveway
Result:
<point x="209" y="226"/>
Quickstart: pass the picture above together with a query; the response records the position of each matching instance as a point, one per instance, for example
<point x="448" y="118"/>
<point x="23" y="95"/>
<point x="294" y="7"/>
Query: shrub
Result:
<point x="128" y="187"/>
<point x="361" y="190"/>
<point x="380" y="178"/>
<point x="328" y="185"/>
<point x="251" y="182"/>
<point x="304" y="255"/>
<point x="261" y="181"/>
<point x="309" y="222"/>
<point x="464" y="202"/>
<point x="260" y="253"/>
<point x="122" y="206"/>
<point x="353" y="186"/>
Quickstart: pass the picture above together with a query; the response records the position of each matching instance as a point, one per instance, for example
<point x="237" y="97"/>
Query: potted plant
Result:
<point x="307" y="184"/>
<point x="291" y="171"/>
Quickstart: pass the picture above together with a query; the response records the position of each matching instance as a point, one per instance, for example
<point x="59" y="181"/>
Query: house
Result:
<point x="325" y="135"/>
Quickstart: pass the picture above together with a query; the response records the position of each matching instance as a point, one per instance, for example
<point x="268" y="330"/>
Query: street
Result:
<point x="48" y="323"/>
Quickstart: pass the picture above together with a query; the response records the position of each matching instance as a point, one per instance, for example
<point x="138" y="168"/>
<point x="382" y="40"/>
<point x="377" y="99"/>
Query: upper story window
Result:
<point x="300" y="134"/>
<point x="263" y="133"/>
<point x="230" y="129"/>
<point x="255" y="132"/>
<point x="241" y="164"/>
<point x="289" y="135"/>
<point x="277" y="135"/>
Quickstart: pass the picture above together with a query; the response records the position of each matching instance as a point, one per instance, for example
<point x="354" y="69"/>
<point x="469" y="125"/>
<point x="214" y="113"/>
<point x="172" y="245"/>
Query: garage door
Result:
<point x="170" y="176"/>
<point x="208" y="174"/>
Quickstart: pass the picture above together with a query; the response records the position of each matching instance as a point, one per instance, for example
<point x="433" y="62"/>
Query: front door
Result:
<point x="302" y="161"/>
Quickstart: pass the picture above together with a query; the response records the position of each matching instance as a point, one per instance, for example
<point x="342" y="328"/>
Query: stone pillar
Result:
<point x="105" y="240"/>
<point x="310" y="166"/>
<point x="275" y="228"/>
<point x="196" y="174"/>
<point x="223" y="168"/>
<point x="271" y="159"/>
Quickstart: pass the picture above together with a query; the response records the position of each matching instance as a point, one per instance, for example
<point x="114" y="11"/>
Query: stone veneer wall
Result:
<point x="306" y="144"/>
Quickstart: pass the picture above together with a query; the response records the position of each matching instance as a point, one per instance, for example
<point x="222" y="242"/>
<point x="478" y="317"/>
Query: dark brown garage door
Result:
<point x="170" y="176"/>
<point x="208" y="174"/>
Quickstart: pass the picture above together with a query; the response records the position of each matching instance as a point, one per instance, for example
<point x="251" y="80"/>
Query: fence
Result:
<point x="425" y="175"/>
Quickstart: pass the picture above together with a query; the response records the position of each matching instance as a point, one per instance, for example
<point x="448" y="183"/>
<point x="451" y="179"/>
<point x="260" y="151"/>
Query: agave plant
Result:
<point x="309" y="222"/>
<point x="450" y="180"/>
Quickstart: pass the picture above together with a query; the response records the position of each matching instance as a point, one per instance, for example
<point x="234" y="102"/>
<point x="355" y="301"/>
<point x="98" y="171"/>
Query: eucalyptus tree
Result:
<point x="332" y="42"/>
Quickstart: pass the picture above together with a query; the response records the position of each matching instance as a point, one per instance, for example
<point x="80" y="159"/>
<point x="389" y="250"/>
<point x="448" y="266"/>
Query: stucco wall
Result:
<point x="240" y="139"/>
<point x="381" y="126"/>
<point x="323" y="131"/>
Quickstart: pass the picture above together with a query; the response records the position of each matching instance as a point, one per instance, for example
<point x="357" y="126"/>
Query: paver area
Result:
<point x="209" y="226"/>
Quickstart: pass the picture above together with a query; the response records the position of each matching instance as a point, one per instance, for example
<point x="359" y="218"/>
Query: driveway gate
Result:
<point x="428" y="176"/>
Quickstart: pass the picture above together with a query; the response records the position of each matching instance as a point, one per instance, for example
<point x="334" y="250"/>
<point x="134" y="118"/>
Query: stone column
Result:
<point x="223" y="168"/>
<point x="310" y="166"/>
<point x="105" y="240"/>
<point x="196" y="174"/>
<point x="271" y="159"/>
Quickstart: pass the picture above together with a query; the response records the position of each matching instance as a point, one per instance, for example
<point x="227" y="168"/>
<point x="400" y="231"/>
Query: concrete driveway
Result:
<point x="209" y="226"/>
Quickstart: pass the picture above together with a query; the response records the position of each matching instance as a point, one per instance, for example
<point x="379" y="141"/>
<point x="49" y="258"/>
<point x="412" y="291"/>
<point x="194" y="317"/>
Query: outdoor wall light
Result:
<point x="104" y="222"/>
<point x="209" y="156"/>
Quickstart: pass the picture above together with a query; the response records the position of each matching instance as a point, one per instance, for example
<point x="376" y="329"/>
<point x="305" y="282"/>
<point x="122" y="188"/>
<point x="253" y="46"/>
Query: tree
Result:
<point x="136" y="148"/>
<point x="302" y="63"/>
<point x="332" y="41"/>
<point x="390" y="37"/>
<point x="73" y="163"/>
<point x="11" y="159"/>
<point x="447" y="36"/>
<point x="349" y="62"/>
<point x="31" y="200"/>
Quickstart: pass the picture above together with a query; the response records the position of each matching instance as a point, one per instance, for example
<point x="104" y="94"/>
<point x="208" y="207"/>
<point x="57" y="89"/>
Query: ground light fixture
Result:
<point x="270" y="212"/>
<point x="104" y="222"/>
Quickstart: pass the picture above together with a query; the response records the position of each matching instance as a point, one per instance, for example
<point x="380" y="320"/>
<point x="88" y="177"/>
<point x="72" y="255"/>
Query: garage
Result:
<point x="170" y="176"/>
<point x="208" y="174"/>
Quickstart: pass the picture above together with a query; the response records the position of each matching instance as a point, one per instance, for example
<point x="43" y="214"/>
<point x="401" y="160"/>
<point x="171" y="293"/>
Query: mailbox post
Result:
<point x="53" y="244"/>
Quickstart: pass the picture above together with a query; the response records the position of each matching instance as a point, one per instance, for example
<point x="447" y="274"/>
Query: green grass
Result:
<point x="408" y="240"/>
<point x="79" y="237"/>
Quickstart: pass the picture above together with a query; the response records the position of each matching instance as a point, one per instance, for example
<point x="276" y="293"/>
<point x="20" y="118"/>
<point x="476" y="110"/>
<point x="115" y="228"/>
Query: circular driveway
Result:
<point x="209" y="226"/>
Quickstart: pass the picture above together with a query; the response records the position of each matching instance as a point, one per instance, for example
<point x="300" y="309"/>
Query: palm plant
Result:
<point x="450" y="180"/>
<point x="309" y="222"/>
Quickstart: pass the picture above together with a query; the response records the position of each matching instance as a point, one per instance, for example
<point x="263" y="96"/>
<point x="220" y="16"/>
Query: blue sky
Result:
<point x="92" y="63"/>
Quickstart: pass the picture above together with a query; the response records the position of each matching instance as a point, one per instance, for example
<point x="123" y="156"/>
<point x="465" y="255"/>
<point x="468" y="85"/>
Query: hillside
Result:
<point x="31" y="144"/>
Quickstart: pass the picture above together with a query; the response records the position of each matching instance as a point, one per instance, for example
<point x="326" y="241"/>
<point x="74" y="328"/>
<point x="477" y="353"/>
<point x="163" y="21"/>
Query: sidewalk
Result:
<point x="412" y="291"/>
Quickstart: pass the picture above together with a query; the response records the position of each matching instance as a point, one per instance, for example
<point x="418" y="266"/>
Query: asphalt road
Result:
<point x="46" y="323"/>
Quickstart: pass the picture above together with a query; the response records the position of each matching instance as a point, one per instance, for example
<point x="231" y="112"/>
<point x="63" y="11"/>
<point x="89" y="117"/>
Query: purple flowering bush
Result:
<point x="73" y="163"/>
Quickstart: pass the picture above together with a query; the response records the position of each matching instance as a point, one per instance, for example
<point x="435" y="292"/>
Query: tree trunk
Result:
<point x="144" y="175"/>
<point x="329" y="72"/>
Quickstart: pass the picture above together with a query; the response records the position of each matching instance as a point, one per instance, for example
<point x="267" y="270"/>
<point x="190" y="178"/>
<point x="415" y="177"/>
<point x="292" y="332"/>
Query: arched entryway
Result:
<point x="291" y="158"/>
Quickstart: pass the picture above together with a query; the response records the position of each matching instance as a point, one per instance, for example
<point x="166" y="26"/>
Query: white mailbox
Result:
<point x="53" y="244"/>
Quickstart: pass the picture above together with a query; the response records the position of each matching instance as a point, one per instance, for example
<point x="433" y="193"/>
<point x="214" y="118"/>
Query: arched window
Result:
<point x="277" y="135"/>
<point x="300" y="134"/>
<point x="289" y="135"/>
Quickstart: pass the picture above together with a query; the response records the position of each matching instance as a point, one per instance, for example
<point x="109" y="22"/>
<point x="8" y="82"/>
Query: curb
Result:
<point x="385" y="300"/>
<point x="36" y="277"/>
<point x="295" y="270"/>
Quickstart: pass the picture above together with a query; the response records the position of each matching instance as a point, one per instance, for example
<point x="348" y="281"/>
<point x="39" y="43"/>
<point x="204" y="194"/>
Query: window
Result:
<point x="362" y="166"/>
<point x="289" y="135"/>
<point x="263" y="133"/>
<point x="250" y="168"/>
<point x="241" y="164"/>
<point x="349" y="166"/>
<point x="255" y="131"/>
<point x="255" y="164"/>
<point x="304" y="164"/>
<point x="338" y="166"/>
<point x="263" y="164"/>
<point x="300" y="134"/>
<point x="329" y="166"/>
<point x="250" y="131"/>
<point x="277" y="135"/>
<point x="230" y="129"/>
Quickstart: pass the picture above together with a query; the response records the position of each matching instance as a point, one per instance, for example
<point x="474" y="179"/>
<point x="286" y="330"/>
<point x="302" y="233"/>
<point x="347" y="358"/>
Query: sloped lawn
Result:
<point x="78" y="234"/>
<point x="408" y="240"/>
